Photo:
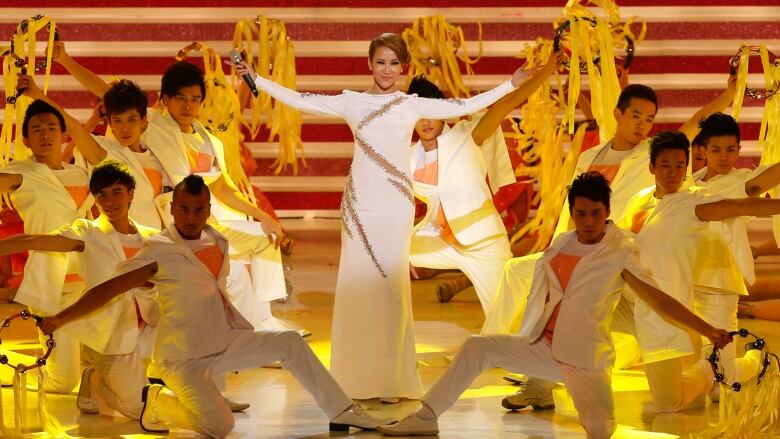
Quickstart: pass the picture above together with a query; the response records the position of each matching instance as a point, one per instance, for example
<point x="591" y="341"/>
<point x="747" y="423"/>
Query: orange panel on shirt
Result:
<point x="200" y="161"/>
<point x="608" y="171"/>
<point x="638" y="221"/>
<point x="563" y="266"/>
<point x="130" y="251"/>
<point x="155" y="178"/>
<point x="430" y="175"/>
<point x="212" y="259"/>
<point x="78" y="193"/>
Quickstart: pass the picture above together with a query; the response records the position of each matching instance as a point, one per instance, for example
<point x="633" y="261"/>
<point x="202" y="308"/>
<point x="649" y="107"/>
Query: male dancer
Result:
<point x="669" y="220"/>
<point x="462" y="228"/>
<point x="182" y="146"/>
<point x="565" y="330"/>
<point x="624" y="161"/>
<point x="111" y="336"/>
<point x="48" y="193"/>
<point x="199" y="331"/>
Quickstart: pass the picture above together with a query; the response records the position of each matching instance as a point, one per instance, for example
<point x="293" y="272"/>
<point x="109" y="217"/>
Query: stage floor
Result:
<point x="281" y="408"/>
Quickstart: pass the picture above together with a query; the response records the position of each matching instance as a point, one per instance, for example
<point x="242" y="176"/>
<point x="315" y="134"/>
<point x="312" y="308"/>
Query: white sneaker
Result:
<point x="411" y="425"/>
<point x="84" y="401"/>
<point x="531" y="393"/>
<point x="353" y="417"/>
<point x="149" y="420"/>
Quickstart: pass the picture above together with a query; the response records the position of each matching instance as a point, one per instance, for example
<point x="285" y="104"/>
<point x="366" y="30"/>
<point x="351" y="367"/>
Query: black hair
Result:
<point x="591" y="185"/>
<point x="192" y="184"/>
<point x="110" y="172"/>
<point x="636" y="91"/>
<point x="182" y="74"/>
<point x="40" y="107"/>
<point x="125" y="95"/>
<point x="715" y="125"/>
<point x="669" y="140"/>
<point x="424" y="88"/>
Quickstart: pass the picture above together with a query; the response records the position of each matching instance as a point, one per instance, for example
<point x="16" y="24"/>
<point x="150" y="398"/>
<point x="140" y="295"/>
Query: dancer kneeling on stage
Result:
<point x="199" y="332"/>
<point x="580" y="278"/>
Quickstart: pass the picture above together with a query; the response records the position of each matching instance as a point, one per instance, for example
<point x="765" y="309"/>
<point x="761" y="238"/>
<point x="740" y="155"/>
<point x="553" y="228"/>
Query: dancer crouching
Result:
<point x="580" y="278"/>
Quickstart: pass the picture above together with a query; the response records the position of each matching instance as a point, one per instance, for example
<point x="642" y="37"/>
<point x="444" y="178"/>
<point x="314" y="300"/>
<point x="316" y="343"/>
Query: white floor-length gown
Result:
<point x="372" y="352"/>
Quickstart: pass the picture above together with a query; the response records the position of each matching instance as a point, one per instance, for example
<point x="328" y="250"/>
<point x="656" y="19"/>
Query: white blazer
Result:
<point x="724" y="257"/>
<point x="462" y="191"/>
<point x="113" y="329"/>
<point x="164" y="138"/>
<point x="143" y="208"/>
<point x="44" y="205"/>
<point x="195" y="312"/>
<point x="582" y="336"/>
<point x="633" y="175"/>
<point x="668" y="242"/>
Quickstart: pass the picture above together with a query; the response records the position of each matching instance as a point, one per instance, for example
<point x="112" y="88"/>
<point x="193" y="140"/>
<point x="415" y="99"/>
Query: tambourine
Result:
<point x="40" y="361"/>
<point x="21" y="64"/>
<point x="559" y="34"/>
<point x="753" y="93"/>
<point x="757" y="343"/>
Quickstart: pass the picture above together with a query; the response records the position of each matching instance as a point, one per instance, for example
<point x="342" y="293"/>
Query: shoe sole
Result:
<point x="87" y="391"/>
<point x="415" y="433"/>
<point x="509" y="406"/>
<point x="144" y="397"/>
<point x="346" y="427"/>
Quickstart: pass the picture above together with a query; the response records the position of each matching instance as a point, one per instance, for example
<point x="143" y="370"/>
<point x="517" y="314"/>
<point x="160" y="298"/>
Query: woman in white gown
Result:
<point x="373" y="353"/>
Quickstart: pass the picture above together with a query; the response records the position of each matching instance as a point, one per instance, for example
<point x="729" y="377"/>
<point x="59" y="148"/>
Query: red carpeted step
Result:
<point x="304" y="200"/>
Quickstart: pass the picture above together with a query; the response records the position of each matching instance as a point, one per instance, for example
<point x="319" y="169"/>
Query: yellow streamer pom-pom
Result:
<point x="436" y="48"/>
<point x="271" y="53"/>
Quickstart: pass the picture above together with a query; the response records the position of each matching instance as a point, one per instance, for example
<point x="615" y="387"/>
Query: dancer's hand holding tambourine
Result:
<point x="49" y="324"/>
<point x="720" y="337"/>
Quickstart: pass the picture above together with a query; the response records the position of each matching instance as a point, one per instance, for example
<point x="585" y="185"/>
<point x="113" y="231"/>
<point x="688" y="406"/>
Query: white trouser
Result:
<point x="675" y="387"/>
<point x="247" y="240"/>
<point x="508" y="306"/>
<point x="720" y="311"/>
<point x="195" y="402"/>
<point x="590" y="390"/>
<point x="117" y="382"/>
<point x="481" y="262"/>
<point x="63" y="367"/>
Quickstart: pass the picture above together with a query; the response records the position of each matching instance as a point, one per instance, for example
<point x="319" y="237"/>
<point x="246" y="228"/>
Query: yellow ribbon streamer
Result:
<point x="436" y="48"/>
<point x="271" y="53"/>
<point x="540" y="141"/>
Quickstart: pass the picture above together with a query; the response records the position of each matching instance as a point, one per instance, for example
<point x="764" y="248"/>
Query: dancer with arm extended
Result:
<point x="373" y="353"/>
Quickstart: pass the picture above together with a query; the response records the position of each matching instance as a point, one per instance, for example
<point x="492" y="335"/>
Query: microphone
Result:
<point x="236" y="58"/>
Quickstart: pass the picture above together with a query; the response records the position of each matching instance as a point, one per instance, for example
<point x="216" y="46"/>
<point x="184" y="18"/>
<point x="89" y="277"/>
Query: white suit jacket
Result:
<point x="164" y="138"/>
<point x="113" y="329"/>
<point x="582" y="336"/>
<point x="143" y="208"/>
<point x="462" y="191"/>
<point x="195" y="312"/>
<point x="724" y="256"/>
<point x="668" y="242"/>
<point x="44" y="205"/>
<point x="633" y="175"/>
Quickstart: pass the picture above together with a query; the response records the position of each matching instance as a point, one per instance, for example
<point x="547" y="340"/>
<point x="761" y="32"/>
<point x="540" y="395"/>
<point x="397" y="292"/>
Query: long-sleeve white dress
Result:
<point x="372" y="351"/>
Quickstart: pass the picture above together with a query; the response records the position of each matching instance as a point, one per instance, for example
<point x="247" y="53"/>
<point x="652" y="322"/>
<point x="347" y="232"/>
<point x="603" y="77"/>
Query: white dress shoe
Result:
<point x="236" y="406"/>
<point x="353" y="417"/>
<point x="411" y="425"/>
